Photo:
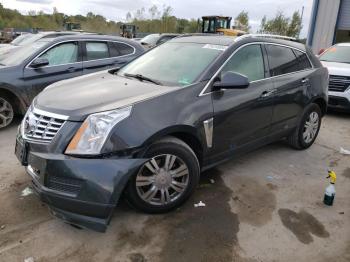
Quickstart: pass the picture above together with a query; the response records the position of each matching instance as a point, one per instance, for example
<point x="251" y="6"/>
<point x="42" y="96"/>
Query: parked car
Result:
<point x="29" y="69"/>
<point x="150" y="128"/>
<point x="153" y="40"/>
<point x="337" y="60"/>
<point x="26" y="39"/>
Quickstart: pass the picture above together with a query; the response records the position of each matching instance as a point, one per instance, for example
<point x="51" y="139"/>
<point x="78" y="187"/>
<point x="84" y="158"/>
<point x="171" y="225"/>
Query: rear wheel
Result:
<point x="309" y="126"/>
<point x="6" y="112"/>
<point x="167" y="179"/>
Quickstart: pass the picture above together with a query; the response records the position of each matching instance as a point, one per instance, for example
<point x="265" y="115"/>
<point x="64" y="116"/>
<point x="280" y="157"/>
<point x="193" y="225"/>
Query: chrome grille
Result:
<point x="338" y="83"/>
<point x="41" y="126"/>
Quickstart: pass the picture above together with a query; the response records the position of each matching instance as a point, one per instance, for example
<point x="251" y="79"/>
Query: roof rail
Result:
<point x="266" y="36"/>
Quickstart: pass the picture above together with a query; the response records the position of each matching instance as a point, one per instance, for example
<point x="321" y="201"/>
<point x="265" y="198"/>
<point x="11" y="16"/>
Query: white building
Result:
<point x="330" y="23"/>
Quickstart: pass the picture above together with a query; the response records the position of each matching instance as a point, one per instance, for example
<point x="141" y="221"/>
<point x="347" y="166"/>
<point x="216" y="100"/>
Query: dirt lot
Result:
<point x="265" y="206"/>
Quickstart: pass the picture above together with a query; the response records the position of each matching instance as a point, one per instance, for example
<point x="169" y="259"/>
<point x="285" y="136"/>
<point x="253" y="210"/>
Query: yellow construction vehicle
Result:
<point x="219" y="25"/>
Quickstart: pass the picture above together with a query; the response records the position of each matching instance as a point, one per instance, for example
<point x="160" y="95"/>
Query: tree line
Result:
<point x="152" y="20"/>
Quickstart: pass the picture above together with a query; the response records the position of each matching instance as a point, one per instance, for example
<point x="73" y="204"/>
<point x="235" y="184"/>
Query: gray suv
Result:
<point x="25" y="71"/>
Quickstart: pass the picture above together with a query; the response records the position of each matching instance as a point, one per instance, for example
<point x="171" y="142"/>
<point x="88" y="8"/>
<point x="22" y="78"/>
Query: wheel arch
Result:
<point x="19" y="105"/>
<point x="321" y="102"/>
<point x="187" y="134"/>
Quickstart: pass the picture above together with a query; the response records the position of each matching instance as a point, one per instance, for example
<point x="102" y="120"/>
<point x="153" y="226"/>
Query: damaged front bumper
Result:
<point x="80" y="191"/>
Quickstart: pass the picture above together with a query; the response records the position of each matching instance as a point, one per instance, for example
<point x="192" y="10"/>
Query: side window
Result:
<point x="282" y="60"/>
<point x="62" y="54"/>
<point x="120" y="49"/>
<point x="96" y="50"/>
<point x="304" y="62"/>
<point x="247" y="61"/>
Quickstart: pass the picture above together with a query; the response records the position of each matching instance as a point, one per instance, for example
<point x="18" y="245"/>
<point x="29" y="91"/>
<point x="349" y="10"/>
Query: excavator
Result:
<point x="220" y="25"/>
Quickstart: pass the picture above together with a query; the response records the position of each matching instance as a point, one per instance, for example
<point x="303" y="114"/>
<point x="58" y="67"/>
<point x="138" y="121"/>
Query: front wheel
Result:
<point x="6" y="112"/>
<point x="309" y="126"/>
<point x="167" y="179"/>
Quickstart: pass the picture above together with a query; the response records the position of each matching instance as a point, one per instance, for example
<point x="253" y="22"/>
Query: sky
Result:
<point x="116" y="9"/>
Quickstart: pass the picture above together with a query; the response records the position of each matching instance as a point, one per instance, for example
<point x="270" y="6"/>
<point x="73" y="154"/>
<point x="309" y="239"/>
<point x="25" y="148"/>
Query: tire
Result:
<point x="6" y="112"/>
<point x="298" y="139"/>
<point x="183" y="176"/>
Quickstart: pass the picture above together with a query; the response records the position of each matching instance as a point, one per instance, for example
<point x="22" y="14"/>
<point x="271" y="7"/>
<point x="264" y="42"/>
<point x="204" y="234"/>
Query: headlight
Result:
<point x="93" y="133"/>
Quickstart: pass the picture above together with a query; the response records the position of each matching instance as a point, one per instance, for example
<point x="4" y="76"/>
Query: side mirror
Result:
<point x="231" y="80"/>
<point x="321" y="51"/>
<point x="40" y="62"/>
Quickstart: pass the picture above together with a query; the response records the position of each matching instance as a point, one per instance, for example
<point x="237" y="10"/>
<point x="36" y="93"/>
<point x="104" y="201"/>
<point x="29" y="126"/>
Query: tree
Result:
<point x="282" y="25"/>
<point x="154" y="12"/>
<point x="242" y="21"/>
<point x="295" y="25"/>
<point x="128" y="17"/>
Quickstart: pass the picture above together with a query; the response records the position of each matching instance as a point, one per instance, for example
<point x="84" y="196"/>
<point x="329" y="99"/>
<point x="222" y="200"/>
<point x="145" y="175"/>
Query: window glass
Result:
<point x="174" y="64"/>
<point x="15" y="56"/>
<point x="247" y="61"/>
<point x="282" y="60"/>
<point x="96" y="50"/>
<point x="62" y="54"/>
<point x="165" y="39"/>
<point x="119" y="49"/>
<point x="304" y="62"/>
<point x="338" y="53"/>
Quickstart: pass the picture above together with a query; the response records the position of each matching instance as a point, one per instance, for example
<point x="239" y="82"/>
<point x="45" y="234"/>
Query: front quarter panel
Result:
<point x="179" y="111"/>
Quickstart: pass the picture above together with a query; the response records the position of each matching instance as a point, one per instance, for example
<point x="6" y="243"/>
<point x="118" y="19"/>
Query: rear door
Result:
<point x="290" y="69"/>
<point x="121" y="53"/>
<point x="96" y="56"/>
<point x="242" y="116"/>
<point x="101" y="55"/>
<point x="65" y="61"/>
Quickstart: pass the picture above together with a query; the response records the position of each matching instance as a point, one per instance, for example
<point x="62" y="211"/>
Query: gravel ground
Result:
<point x="265" y="206"/>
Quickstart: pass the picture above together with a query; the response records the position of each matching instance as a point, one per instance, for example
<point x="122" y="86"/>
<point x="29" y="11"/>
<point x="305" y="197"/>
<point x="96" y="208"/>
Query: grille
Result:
<point x="67" y="185"/>
<point x="338" y="83"/>
<point x="41" y="126"/>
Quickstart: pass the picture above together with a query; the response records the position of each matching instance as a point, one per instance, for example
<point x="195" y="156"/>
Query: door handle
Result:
<point x="305" y="81"/>
<point x="267" y="93"/>
<point x="71" y="69"/>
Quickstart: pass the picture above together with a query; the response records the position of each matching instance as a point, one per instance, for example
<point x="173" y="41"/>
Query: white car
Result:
<point x="337" y="60"/>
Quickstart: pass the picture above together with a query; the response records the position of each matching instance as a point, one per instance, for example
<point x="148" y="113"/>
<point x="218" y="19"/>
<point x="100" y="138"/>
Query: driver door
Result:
<point x="64" y="62"/>
<point x="243" y="116"/>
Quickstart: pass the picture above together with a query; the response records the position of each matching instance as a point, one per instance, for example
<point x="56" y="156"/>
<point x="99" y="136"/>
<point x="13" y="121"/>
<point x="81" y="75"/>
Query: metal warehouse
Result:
<point x="330" y="23"/>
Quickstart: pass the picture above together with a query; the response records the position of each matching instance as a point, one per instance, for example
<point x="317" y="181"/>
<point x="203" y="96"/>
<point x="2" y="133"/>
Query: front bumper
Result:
<point x="339" y="100"/>
<point x="80" y="191"/>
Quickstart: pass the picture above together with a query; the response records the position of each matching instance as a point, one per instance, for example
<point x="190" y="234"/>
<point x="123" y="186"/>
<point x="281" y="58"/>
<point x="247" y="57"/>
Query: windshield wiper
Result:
<point x="143" y="78"/>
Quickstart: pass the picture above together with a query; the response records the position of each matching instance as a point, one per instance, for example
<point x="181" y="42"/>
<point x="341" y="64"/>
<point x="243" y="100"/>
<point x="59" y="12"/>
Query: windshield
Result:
<point x="174" y="64"/>
<point x="340" y="54"/>
<point x="22" y="38"/>
<point x="150" y="39"/>
<point x="16" y="56"/>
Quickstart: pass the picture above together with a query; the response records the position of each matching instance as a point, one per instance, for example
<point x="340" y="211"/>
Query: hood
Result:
<point x="337" y="69"/>
<point x="102" y="91"/>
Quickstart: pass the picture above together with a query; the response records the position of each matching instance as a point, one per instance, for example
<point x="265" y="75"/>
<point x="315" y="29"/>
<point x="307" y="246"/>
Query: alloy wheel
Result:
<point x="311" y="127"/>
<point x="6" y="113"/>
<point x="162" y="179"/>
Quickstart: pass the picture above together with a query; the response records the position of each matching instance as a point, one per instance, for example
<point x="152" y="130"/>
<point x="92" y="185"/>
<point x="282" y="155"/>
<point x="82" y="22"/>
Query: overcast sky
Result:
<point x="117" y="9"/>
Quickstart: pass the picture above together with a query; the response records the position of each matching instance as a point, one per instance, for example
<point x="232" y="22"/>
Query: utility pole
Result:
<point x="301" y="21"/>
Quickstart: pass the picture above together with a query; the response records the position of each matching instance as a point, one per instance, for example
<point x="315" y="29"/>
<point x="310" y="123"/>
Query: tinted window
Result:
<point x="282" y="60"/>
<point x="96" y="50"/>
<point x="304" y="62"/>
<point x="120" y="49"/>
<point x="62" y="54"/>
<point x="247" y="61"/>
